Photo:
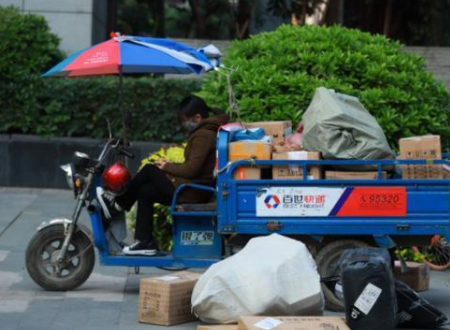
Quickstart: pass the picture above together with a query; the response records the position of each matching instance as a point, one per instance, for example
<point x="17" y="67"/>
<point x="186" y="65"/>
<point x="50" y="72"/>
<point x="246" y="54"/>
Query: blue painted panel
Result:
<point x="163" y="261"/>
<point x="98" y="230"/>
<point x="428" y="202"/>
<point x="196" y="237"/>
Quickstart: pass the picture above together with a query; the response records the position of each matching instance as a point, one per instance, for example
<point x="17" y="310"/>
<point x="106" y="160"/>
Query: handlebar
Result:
<point x="125" y="152"/>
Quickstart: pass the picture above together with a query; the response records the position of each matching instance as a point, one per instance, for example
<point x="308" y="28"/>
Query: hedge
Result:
<point x="274" y="76"/>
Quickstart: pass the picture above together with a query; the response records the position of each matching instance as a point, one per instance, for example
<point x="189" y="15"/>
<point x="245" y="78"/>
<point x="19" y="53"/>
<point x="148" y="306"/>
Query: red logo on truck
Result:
<point x="375" y="202"/>
<point x="272" y="201"/>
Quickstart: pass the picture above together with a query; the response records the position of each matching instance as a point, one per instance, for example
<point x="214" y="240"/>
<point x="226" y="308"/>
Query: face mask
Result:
<point x="189" y="125"/>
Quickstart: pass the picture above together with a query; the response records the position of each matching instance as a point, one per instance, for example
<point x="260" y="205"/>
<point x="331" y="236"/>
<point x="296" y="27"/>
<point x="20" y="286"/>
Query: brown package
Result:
<point x="291" y="172"/>
<point x="278" y="129"/>
<point x="291" y="323"/>
<point x="247" y="173"/>
<point x="341" y="175"/>
<point x="166" y="299"/>
<point x="421" y="147"/>
<point x="417" y="275"/>
<point x="218" y="327"/>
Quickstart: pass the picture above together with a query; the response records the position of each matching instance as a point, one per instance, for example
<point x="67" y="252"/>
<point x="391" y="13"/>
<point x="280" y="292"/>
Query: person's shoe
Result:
<point x="144" y="248"/>
<point x="107" y="202"/>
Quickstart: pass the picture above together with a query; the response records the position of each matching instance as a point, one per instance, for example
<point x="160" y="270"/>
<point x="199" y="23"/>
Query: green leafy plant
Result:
<point x="408" y="254"/>
<point x="162" y="220"/>
<point x="27" y="49"/>
<point x="80" y="107"/>
<point x="31" y="104"/>
<point x="274" y="76"/>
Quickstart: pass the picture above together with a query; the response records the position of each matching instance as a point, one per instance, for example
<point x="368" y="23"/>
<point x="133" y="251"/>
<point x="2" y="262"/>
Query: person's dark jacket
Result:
<point x="200" y="158"/>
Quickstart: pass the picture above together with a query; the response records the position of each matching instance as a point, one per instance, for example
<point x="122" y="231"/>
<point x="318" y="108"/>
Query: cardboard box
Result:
<point x="244" y="150"/>
<point x="341" y="175"/>
<point x="218" y="327"/>
<point x="247" y="173"/>
<point x="291" y="172"/>
<point x="285" y="148"/>
<point x="292" y="323"/>
<point x="166" y="300"/>
<point x="421" y="147"/>
<point x="278" y="129"/>
<point x="417" y="275"/>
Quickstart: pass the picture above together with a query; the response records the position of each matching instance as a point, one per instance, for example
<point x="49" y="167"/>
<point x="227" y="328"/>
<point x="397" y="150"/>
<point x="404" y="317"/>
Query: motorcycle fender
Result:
<point x="66" y="222"/>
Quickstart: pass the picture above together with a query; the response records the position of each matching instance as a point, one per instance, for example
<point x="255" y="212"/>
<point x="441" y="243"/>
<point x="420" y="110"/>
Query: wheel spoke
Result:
<point x="50" y="249"/>
<point x="69" y="267"/>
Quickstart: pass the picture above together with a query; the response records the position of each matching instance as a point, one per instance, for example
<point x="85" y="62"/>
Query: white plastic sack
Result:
<point x="273" y="275"/>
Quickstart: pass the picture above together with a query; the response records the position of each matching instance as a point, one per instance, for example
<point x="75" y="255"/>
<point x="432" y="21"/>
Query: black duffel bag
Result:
<point x="416" y="312"/>
<point x="369" y="289"/>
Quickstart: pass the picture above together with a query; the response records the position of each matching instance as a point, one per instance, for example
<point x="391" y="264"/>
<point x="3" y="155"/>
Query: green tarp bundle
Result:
<point x="340" y="127"/>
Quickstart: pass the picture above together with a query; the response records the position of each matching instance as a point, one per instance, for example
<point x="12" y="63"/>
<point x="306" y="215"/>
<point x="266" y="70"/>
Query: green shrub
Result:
<point x="27" y="49"/>
<point x="80" y="107"/>
<point x="30" y="104"/>
<point x="274" y="76"/>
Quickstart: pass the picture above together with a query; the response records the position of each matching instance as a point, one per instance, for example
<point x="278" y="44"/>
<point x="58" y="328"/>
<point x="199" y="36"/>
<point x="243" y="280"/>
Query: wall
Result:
<point x="79" y="24"/>
<point x="437" y="61"/>
<point x="33" y="161"/>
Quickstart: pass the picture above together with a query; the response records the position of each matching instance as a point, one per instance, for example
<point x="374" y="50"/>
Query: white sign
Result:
<point x="368" y="298"/>
<point x="268" y="323"/>
<point x="168" y="278"/>
<point x="297" y="201"/>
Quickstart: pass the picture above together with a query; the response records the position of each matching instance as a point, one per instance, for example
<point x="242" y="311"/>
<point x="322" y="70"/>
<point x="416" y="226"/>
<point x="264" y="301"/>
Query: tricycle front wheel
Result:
<point x="41" y="259"/>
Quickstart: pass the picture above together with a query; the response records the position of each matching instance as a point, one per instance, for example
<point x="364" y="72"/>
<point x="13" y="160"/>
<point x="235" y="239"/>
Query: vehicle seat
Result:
<point x="207" y="206"/>
<point x="197" y="207"/>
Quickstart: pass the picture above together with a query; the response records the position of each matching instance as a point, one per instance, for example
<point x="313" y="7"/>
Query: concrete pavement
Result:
<point x="108" y="300"/>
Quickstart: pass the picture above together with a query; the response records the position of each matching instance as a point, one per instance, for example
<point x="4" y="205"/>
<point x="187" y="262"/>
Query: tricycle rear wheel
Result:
<point x="327" y="260"/>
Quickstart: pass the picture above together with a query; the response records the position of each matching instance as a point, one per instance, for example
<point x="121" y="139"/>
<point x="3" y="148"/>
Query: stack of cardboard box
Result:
<point x="421" y="147"/>
<point x="291" y="172"/>
<point x="260" y="150"/>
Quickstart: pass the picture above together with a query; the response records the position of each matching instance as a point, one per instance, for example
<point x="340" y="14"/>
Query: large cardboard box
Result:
<point x="278" y="129"/>
<point x="291" y="172"/>
<point x="417" y="275"/>
<point x="341" y="175"/>
<point x="166" y="300"/>
<point x="421" y="147"/>
<point x="247" y="173"/>
<point x="291" y="323"/>
<point x="245" y="150"/>
<point x="218" y="327"/>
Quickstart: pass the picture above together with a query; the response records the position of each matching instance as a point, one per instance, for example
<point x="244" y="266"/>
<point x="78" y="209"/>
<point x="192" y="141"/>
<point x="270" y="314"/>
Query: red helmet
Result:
<point x="116" y="178"/>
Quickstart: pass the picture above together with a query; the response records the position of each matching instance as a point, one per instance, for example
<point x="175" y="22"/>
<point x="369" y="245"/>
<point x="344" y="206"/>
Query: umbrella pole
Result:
<point x="124" y="126"/>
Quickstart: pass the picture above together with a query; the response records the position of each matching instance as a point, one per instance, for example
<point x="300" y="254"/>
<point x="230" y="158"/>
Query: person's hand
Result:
<point x="161" y="163"/>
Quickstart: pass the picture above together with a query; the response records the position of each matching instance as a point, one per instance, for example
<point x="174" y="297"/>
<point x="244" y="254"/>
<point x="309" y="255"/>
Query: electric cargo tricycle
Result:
<point x="327" y="215"/>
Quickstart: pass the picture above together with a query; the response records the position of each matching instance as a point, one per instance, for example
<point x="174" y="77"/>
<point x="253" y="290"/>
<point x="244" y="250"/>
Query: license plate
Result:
<point x="197" y="237"/>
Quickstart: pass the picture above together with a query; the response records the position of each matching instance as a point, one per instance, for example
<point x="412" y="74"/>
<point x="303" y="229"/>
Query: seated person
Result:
<point x="157" y="183"/>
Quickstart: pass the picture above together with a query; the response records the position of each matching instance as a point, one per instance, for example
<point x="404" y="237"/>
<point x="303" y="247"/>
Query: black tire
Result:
<point x="41" y="253"/>
<point x="327" y="264"/>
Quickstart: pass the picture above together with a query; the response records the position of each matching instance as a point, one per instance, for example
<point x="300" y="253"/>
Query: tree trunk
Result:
<point x="387" y="18"/>
<point x="304" y="8"/>
<point x="197" y="17"/>
<point x="159" y="18"/>
<point x="341" y="12"/>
